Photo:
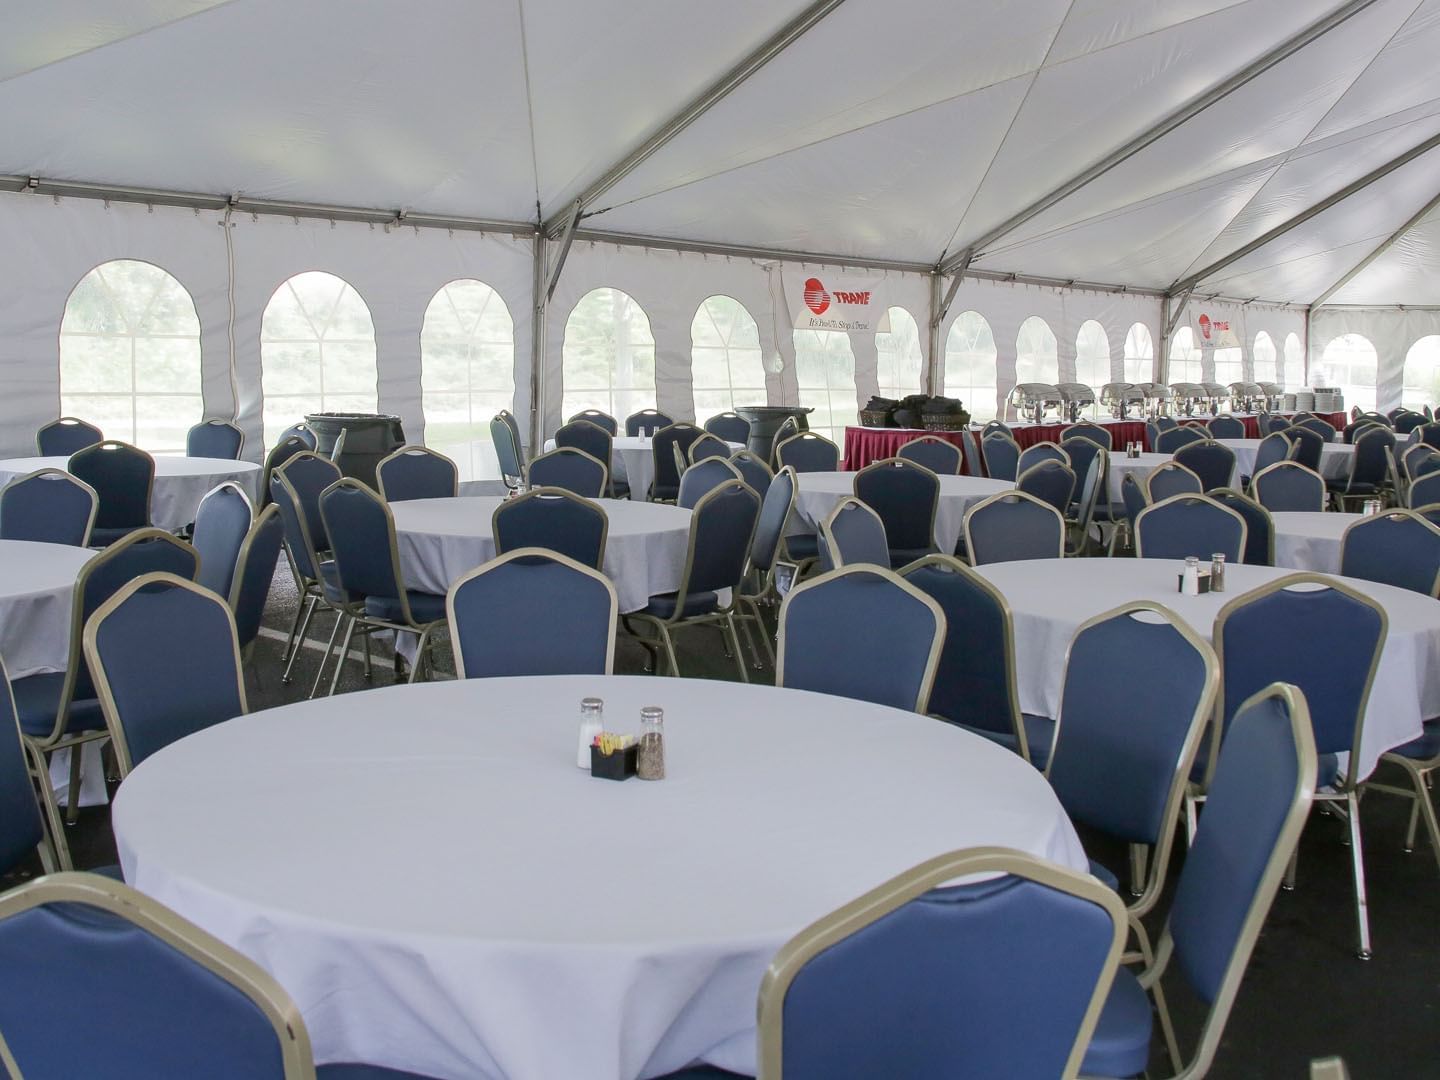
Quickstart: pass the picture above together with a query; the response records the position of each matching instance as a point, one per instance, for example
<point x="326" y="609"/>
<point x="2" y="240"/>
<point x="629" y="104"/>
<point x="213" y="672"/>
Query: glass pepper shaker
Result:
<point x="651" y="765"/>
<point x="1217" y="572"/>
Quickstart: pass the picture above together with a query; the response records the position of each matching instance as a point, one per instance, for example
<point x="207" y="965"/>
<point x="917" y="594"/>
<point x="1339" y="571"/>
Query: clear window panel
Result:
<point x="1037" y="353"/>
<point x="726" y="364"/>
<point x="1228" y="366"/>
<point x="1139" y="354"/>
<point x="970" y="358"/>
<point x="1185" y="363"/>
<point x="899" y="356"/>
<point x="1294" y="372"/>
<point x="1263" y="358"/>
<point x="1422" y="373"/>
<point x="1092" y="355"/>
<point x="608" y="357"/>
<point x="825" y="371"/>
<point x="1350" y="363"/>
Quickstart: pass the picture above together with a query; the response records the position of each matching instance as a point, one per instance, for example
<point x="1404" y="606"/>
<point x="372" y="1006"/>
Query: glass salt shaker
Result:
<point x="651" y="764"/>
<point x="1217" y="572"/>
<point x="592" y="722"/>
<point x="1190" y="582"/>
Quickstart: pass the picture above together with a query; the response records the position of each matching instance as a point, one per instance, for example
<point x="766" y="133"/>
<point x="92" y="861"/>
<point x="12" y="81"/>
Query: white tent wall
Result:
<point x="1392" y="331"/>
<point x="1248" y="320"/>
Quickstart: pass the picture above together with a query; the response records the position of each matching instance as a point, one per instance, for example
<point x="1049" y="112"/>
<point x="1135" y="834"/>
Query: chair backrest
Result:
<point x="299" y="544"/>
<point x="1307" y="446"/>
<point x="1002" y="456"/>
<point x="1226" y="427"/>
<point x="302" y="431"/>
<point x="571" y="469"/>
<point x="788" y="427"/>
<point x="852" y="533"/>
<point x="1408" y="422"/>
<point x="940" y="457"/>
<point x="1185" y="525"/>
<point x="703" y="477"/>
<point x="1397" y="547"/>
<point x="1171" y="478"/>
<point x="1133" y="496"/>
<point x="861" y="632"/>
<point x="1041" y="451"/>
<point x="1417" y="460"/>
<point x="707" y="446"/>
<point x="1091" y="486"/>
<point x="1096" y="433"/>
<point x="553" y="519"/>
<point x="1000" y="426"/>
<point x="48" y="506"/>
<point x="1356" y="427"/>
<point x="214" y="438"/>
<point x="1288" y="487"/>
<point x="338" y="450"/>
<point x="722" y="532"/>
<point x="602" y="420"/>
<point x="1167" y="442"/>
<point x="1082" y="449"/>
<point x="254" y="571"/>
<point x="1324" y="429"/>
<point x="779" y="500"/>
<point x="729" y="426"/>
<point x="975" y="679"/>
<point x="161" y="997"/>
<point x="507" y="450"/>
<point x="752" y="470"/>
<point x="906" y="495"/>
<point x="362" y="542"/>
<point x="1012" y="525"/>
<point x="1212" y="462"/>
<point x="532" y="611"/>
<point x="669" y="448"/>
<point x="649" y="421"/>
<point x="808" y="452"/>
<point x="222" y="522"/>
<point x="1314" y="632"/>
<point x="1051" y="482"/>
<point x="1254" y="812"/>
<point x="1430" y="434"/>
<point x="1422" y="491"/>
<point x="1273" y="448"/>
<point x="1369" y="466"/>
<point x="62" y="437"/>
<point x="166" y="661"/>
<point x="417" y="472"/>
<point x="309" y="474"/>
<point x="969" y="973"/>
<point x="1139" y="689"/>
<point x="282" y="452"/>
<point x="22" y="828"/>
<point x="974" y="463"/>
<point x="1259" y="525"/>
<point x="584" y="434"/>
<point x="122" y="476"/>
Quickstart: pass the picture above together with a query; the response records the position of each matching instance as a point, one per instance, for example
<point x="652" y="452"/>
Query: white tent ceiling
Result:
<point x="900" y="130"/>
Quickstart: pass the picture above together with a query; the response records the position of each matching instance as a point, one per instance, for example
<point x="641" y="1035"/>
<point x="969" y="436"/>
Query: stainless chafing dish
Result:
<point x="1246" y="397"/>
<point x="1157" y="397"/>
<point x="1189" y="397"/>
<point x="1216" y="394"/>
<point x="1273" y="395"/>
<point x="1118" y="396"/>
<point x="1031" y="400"/>
<point x="1075" y="396"/>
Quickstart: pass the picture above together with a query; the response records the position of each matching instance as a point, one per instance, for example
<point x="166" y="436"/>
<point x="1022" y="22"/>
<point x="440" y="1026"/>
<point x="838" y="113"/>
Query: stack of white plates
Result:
<point x="1287" y="403"/>
<point x="1329" y="401"/>
<point x="1304" y="401"/>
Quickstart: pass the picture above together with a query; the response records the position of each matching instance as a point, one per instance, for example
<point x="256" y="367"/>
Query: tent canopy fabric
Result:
<point x="905" y="130"/>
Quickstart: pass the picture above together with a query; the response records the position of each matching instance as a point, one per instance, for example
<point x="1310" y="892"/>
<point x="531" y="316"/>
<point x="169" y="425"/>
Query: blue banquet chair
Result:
<point x="556" y="520"/>
<point x="1288" y="487"/>
<point x="1099" y="434"/>
<point x="48" y="506"/>
<point x="254" y="572"/>
<point x="573" y="470"/>
<point x="852" y="533"/>
<point x="705" y="446"/>
<point x="122" y="477"/>
<point x="670" y="449"/>
<point x="215" y="438"/>
<point x="646" y="422"/>
<point x="940" y="457"/>
<point x="753" y="471"/>
<point x="1259" y="526"/>
<point x="63" y="437"/>
<point x="222" y="522"/>
<point x="1185" y="525"/>
<point x="807" y="451"/>
<point x="905" y="495"/>
<point x="703" y="477"/>
<point x="417" y="472"/>
<point x="1167" y="442"/>
<point x="509" y="450"/>
<point x="1012" y="525"/>
<point x="1171" y="478"/>
<point x="583" y="433"/>
<point x="1396" y="547"/>
<point x="282" y="452"/>
<point x="1226" y="427"/>
<point x="1002" y="456"/>
<point x="729" y="426"/>
<point x="1041" y="451"/>
<point x="27" y="823"/>
<point x="302" y="431"/>
<point x="1212" y="462"/>
<point x="1050" y="481"/>
<point x="599" y="418"/>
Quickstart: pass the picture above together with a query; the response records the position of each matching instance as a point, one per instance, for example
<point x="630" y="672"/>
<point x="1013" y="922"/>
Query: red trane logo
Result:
<point x="1205" y="327"/>
<point x="816" y="298"/>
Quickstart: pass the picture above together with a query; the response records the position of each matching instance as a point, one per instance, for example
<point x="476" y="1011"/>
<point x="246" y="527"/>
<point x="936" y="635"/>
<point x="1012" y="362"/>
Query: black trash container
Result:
<point x="765" y="421"/>
<point x="368" y="438"/>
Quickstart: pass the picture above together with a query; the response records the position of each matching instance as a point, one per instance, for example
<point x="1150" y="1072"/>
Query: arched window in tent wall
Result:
<point x="1263" y="355"/>
<point x="1184" y="357"/>
<point x="1422" y="373"/>
<point x="130" y="355"/>
<point x="1139" y="354"/>
<point x="1229" y="365"/>
<point x="608" y="359"/>
<point x="726" y="363"/>
<point x="467" y="373"/>
<point x="970" y="357"/>
<point x="1293" y="373"/>
<point x="898" y="356"/>
<point x="1349" y="362"/>
<point x="825" y="371"/>
<point x="1037" y="353"/>
<point x="317" y="351"/>
<point x="1092" y="355"/>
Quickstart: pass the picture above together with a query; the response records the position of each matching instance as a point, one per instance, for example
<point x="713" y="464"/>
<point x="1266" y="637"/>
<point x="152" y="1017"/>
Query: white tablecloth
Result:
<point x="180" y="482"/>
<point x="37" y="584"/>
<point x="1141" y="467"/>
<point x="632" y="459"/>
<point x="1311" y="541"/>
<point x="818" y="492"/>
<point x="1050" y="598"/>
<point x="440" y="889"/>
<point x="1335" y="457"/>
<point x="441" y="539"/>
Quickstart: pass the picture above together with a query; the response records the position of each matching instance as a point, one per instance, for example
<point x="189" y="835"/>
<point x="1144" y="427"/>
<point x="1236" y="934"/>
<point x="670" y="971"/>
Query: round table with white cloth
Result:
<point x="817" y="493"/>
<point x="180" y="482"/>
<point x="441" y="539"/>
<point x="1336" y="458"/>
<point x="37" y="587"/>
<point x="632" y="459"/>
<point x="1050" y="598"/>
<point x="440" y="889"/>
<point x="1311" y="541"/>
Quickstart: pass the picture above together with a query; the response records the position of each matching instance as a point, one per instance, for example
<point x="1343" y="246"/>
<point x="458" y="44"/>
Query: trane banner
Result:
<point x="1214" y="333"/>
<point x="837" y="302"/>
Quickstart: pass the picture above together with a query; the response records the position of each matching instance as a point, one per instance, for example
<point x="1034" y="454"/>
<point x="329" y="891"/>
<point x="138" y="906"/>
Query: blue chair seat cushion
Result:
<point x="349" y="1070"/>
<point x="665" y="491"/>
<point x="663" y="606"/>
<point x="1104" y="875"/>
<point x="1327" y="770"/>
<point x="104" y="537"/>
<point x="330" y="585"/>
<point x="905" y="556"/>
<point x="37" y="697"/>
<point x="1343" y="485"/>
<point x="803" y="547"/>
<point x="424" y="607"/>
<point x="1039" y="735"/>
<point x="1121" y="1043"/>
<point x="1425" y="747"/>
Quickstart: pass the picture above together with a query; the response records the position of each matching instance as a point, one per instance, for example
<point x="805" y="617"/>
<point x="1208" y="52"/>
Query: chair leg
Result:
<point x="329" y="648"/>
<point x="422" y="658"/>
<point x="298" y="641"/>
<point x="763" y="628"/>
<point x="1139" y="856"/>
<point x="1426" y="807"/>
<point x="369" y="668"/>
<point x="72" y="810"/>
<point x="301" y="605"/>
<point x="735" y="639"/>
<point x="1362" y="915"/>
<point x="1291" y="869"/>
<point x="343" y="653"/>
<point x="669" y="650"/>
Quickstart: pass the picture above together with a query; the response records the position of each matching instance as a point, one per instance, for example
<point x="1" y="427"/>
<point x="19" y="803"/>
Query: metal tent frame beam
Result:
<point x="1314" y="210"/>
<point x="1192" y="108"/>
<point x="1388" y="243"/>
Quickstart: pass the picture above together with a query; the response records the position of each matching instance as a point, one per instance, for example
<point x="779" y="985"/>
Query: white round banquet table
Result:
<point x="1311" y="541"/>
<point x="632" y="459"/>
<point x="1336" y="458"/>
<point x="1050" y="598"/>
<point x="37" y="587"/>
<point x="180" y="482"/>
<point x="817" y="493"/>
<point x="441" y="539"/>
<point x="440" y="889"/>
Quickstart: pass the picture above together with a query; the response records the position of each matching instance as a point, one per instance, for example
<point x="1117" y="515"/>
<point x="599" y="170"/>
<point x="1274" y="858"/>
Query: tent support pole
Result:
<point x="540" y="298"/>
<point x="566" y="239"/>
<point x="1305" y="215"/>
<point x="1385" y="246"/>
<point x="1186" y="112"/>
<point x="937" y="316"/>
